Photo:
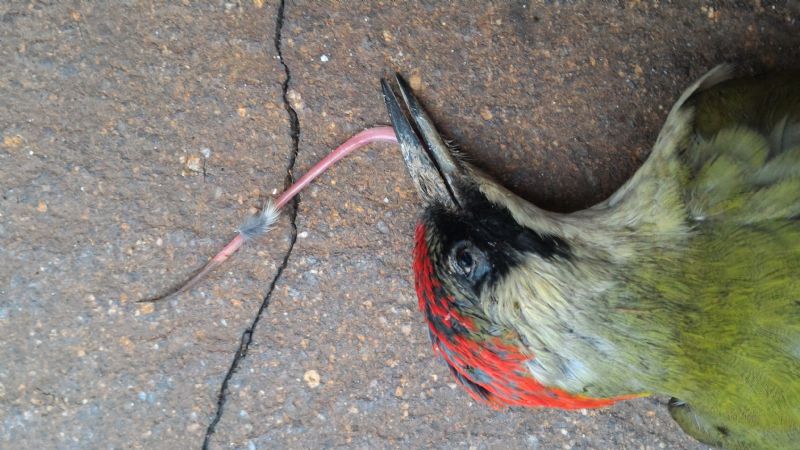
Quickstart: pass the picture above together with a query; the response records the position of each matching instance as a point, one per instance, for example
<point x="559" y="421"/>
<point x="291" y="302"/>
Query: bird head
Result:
<point x="474" y="242"/>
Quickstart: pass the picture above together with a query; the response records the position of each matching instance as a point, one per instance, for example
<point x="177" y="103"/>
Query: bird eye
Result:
<point x="469" y="261"/>
<point x="465" y="261"/>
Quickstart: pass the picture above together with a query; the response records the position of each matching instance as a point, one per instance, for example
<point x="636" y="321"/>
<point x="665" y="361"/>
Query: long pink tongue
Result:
<point x="366" y="137"/>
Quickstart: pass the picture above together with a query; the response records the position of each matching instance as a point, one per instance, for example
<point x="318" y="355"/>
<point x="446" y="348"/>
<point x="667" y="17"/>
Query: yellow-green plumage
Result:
<point x="686" y="281"/>
<point x="740" y="337"/>
<point x="719" y="303"/>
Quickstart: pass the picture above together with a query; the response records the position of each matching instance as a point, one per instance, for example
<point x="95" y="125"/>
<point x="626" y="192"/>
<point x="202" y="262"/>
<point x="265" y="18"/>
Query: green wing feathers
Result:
<point x="744" y="157"/>
<point x="742" y="197"/>
<point x="737" y="179"/>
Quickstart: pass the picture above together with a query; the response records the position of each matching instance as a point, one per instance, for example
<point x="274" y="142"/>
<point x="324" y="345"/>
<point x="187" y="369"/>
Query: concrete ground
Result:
<point x="136" y="135"/>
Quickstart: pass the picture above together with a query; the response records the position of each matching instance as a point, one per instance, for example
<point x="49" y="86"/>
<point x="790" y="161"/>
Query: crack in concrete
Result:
<point x="294" y="133"/>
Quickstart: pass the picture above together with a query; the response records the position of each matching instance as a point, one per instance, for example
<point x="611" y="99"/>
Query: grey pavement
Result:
<point x="136" y="135"/>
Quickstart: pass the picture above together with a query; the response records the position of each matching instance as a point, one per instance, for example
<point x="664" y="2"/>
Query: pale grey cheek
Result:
<point x="553" y="371"/>
<point x="564" y="373"/>
<point x="575" y="370"/>
<point x="540" y="372"/>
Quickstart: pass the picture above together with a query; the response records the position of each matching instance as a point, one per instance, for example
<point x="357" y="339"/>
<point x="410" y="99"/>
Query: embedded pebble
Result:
<point x="312" y="378"/>
<point x="382" y="227"/>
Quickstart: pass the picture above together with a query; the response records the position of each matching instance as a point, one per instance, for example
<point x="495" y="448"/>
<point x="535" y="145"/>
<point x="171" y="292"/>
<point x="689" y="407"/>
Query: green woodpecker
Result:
<point x="685" y="282"/>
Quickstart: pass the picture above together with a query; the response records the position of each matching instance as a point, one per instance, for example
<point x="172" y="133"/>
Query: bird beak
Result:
<point x="432" y="166"/>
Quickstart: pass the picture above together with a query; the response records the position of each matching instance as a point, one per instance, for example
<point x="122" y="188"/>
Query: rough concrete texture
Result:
<point x="135" y="136"/>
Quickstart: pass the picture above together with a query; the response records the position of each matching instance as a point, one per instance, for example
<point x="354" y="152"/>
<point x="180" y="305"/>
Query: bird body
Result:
<point x="685" y="282"/>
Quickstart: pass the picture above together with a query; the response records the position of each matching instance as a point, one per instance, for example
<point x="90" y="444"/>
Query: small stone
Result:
<point x="194" y="164"/>
<point x="303" y="235"/>
<point x="42" y="208"/>
<point x="323" y="58"/>
<point x="312" y="378"/>
<point x="712" y="14"/>
<point x="12" y="141"/>
<point x="486" y="114"/>
<point x="382" y="227"/>
<point x="126" y="343"/>
<point x="146" y="308"/>
<point x="295" y="99"/>
<point x="399" y="391"/>
<point x="415" y="81"/>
